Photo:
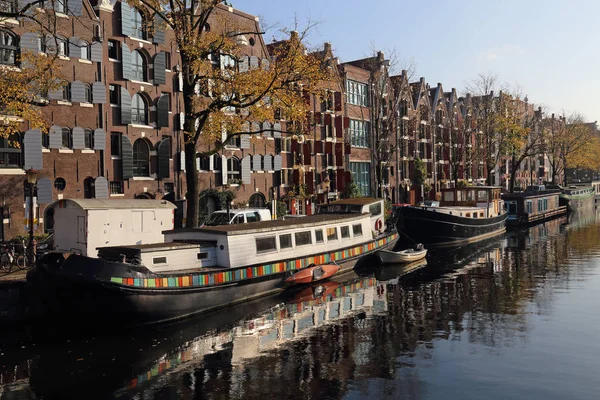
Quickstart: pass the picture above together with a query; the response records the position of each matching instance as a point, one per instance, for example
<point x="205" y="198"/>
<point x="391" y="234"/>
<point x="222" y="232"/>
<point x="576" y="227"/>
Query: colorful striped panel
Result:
<point x="216" y="278"/>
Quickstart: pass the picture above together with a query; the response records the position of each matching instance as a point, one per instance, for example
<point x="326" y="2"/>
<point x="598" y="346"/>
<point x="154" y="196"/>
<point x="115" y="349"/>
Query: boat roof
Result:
<point x="150" y="247"/>
<point x="360" y="201"/>
<point x="472" y="187"/>
<point x="541" y="193"/>
<point x="99" y="204"/>
<point x="309" y="221"/>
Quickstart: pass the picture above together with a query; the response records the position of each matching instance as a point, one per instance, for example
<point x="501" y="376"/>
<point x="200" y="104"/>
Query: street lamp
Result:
<point x="31" y="180"/>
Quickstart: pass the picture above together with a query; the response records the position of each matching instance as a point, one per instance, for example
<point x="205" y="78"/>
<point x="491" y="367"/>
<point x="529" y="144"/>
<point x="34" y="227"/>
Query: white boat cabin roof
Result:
<point x="309" y="221"/>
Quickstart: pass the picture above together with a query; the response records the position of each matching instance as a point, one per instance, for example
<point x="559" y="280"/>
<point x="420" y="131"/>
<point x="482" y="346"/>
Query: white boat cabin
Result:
<point x="362" y="205"/>
<point x="273" y="241"/>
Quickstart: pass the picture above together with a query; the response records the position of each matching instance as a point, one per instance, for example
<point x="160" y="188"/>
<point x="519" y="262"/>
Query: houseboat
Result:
<point x="463" y="215"/>
<point x="578" y="197"/>
<point x="536" y="204"/>
<point x="202" y="269"/>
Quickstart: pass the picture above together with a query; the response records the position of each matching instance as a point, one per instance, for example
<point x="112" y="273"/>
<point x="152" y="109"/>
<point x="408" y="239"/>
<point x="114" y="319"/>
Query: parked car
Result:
<point x="238" y="216"/>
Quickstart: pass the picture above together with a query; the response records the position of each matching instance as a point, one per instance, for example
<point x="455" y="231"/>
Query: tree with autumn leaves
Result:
<point x="222" y="103"/>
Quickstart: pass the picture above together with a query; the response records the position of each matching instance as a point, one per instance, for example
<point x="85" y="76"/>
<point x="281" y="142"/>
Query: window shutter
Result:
<point x="74" y="47"/>
<point x="306" y="153"/>
<point x="126" y="62"/>
<point x="182" y="161"/>
<point x="277" y="163"/>
<point x="44" y="191"/>
<point x="162" y="119"/>
<point x="75" y="7"/>
<point x="244" y="141"/>
<point x="294" y="146"/>
<point x="337" y="96"/>
<point x="51" y="44"/>
<point x="341" y="180"/>
<point x="99" y="139"/>
<point x="101" y="188"/>
<point x="78" y="138"/>
<point x="296" y="176"/>
<point x="126" y="19"/>
<point x="55" y="137"/>
<point x="347" y="148"/>
<point x="246" y="170"/>
<point x="243" y="64"/>
<point x="224" y="170"/>
<point x="264" y="63"/>
<point x="164" y="155"/>
<point x="125" y="107"/>
<point x="198" y="166"/>
<point x="318" y="147"/>
<point x="29" y="41"/>
<point x="253" y="62"/>
<point x="126" y="157"/>
<point x="339" y="159"/>
<point x="256" y="162"/>
<point x="346" y="122"/>
<point x="78" y="92"/>
<point x="160" y="61"/>
<point x="339" y="124"/>
<point x="96" y="52"/>
<point x="328" y="148"/>
<point x="255" y="128"/>
<point x="56" y="94"/>
<point x="159" y="30"/>
<point x="211" y="162"/>
<point x="32" y="143"/>
<point x="277" y="130"/>
<point x="267" y="129"/>
<point x="268" y="162"/>
<point x="98" y="93"/>
<point x="310" y="181"/>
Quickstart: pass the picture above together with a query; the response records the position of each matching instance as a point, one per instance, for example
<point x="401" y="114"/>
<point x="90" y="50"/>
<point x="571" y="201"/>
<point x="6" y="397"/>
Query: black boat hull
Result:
<point x="56" y="293"/>
<point x="439" y="229"/>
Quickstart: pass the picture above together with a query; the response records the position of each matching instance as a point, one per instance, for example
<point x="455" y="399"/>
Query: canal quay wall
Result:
<point x="13" y="297"/>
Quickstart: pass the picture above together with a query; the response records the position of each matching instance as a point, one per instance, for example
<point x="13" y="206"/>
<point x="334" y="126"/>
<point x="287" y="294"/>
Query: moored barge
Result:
<point x="536" y="204"/>
<point x="203" y="269"/>
<point x="578" y="197"/>
<point x="463" y="215"/>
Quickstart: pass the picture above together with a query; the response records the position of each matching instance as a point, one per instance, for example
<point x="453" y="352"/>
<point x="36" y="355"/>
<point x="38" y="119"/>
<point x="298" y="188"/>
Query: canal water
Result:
<point x="513" y="317"/>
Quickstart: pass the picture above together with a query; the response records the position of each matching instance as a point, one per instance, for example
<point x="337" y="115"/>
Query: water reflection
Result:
<point x="378" y="334"/>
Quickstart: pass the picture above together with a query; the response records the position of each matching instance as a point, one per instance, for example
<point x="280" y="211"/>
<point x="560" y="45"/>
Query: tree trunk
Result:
<point x="191" y="178"/>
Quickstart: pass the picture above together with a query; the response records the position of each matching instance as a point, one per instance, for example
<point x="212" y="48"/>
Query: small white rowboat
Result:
<point x="402" y="256"/>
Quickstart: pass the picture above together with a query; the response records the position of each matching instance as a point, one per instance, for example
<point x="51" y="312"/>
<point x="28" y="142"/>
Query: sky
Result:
<point x="549" y="49"/>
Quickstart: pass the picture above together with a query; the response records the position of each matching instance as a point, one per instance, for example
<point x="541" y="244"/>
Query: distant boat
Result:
<point x="536" y="204"/>
<point x="463" y="215"/>
<point x="402" y="256"/>
<point x="577" y="197"/>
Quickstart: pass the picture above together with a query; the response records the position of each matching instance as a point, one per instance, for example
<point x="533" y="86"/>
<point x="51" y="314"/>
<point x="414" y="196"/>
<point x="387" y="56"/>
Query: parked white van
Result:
<point x="238" y="216"/>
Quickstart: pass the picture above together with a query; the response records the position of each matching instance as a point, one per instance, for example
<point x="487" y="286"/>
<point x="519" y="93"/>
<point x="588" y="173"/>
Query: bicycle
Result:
<point x="26" y="260"/>
<point x="9" y="258"/>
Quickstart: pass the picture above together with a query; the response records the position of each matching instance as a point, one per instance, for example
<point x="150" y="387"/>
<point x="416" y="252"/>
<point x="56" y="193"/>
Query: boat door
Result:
<point x="81" y="231"/>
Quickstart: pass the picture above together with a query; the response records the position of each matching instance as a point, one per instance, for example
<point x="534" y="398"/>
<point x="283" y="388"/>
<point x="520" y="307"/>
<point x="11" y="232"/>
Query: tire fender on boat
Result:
<point x="378" y="225"/>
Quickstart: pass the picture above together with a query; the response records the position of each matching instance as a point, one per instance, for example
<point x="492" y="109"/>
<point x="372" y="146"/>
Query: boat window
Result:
<point x="202" y="256"/>
<point x="331" y="234"/>
<point x="481" y="215"/>
<point x="474" y="215"/>
<point x="357" y="230"/>
<point x="482" y="195"/>
<point x="252" y="217"/>
<point x="448" y="196"/>
<point x="303" y="238"/>
<point x="345" y="230"/>
<point x="319" y="235"/>
<point x="265" y="244"/>
<point x="375" y="209"/>
<point x="468" y="215"/>
<point x="285" y="241"/>
<point x="159" y="260"/>
<point x="470" y="195"/>
<point x="460" y="195"/>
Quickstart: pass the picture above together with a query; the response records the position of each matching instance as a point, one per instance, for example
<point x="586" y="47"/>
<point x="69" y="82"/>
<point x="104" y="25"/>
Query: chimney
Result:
<point x="294" y="35"/>
<point x="327" y="47"/>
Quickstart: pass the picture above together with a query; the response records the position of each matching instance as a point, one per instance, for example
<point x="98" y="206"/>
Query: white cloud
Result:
<point x="501" y="52"/>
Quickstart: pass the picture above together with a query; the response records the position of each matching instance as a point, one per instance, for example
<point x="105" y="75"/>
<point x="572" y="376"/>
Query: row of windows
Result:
<point x="140" y="155"/>
<point x="138" y="58"/>
<point x="304" y="238"/>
